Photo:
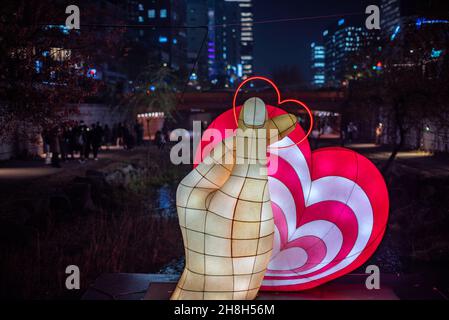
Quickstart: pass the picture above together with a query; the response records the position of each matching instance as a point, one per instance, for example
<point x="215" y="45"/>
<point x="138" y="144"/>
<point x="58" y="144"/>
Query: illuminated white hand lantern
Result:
<point x="225" y="211"/>
<point x="330" y="205"/>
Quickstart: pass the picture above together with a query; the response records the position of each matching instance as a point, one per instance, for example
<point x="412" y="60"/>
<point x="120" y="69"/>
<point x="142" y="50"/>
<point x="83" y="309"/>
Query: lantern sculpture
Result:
<point x="225" y="211"/>
<point x="330" y="210"/>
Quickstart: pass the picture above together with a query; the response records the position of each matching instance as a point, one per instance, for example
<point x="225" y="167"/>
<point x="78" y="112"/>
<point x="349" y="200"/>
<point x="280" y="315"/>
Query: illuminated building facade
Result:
<point x="223" y="47"/>
<point x="167" y="40"/>
<point x="342" y="40"/>
<point x="220" y="62"/>
<point x="318" y="65"/>
<point x="197" y="15"/>
<point x="391" y="16"/>
<point x="246" y="35"/>
<point x="396" y="14"/>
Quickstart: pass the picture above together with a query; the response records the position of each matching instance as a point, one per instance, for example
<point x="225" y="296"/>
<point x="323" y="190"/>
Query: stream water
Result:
<point x="163" y="201"/>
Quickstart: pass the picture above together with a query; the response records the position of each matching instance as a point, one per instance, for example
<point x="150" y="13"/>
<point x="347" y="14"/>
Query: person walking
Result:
<point x="120" y="135"/>
<point x="64" y="142"/>
<point x="128" y="138"/>
<point x="97" y="136"/>
<point x="46" y="138"/>
<point x="55" y="147"/>
<point x="89" y="133"/>
<point x="78" y="141"/>
<point x="379" y="131"/>
<point x="352" y="132"/>
<point x="160" y="140"/>
<point x="138" y="130"/>
<point x="84" y="142"/>
<point x="71" y="138"/>
<point x="107" y="136"/>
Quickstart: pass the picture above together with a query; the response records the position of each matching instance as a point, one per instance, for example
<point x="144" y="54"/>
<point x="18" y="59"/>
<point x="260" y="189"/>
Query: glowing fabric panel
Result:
<point x="225" y="214"/>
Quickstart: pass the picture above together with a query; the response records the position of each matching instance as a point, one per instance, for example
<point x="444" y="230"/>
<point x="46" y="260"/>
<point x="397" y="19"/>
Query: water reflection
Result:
<point x="166" y="200"/>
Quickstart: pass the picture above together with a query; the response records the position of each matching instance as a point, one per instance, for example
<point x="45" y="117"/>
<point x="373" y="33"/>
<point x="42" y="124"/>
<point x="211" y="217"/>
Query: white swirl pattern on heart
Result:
<point x="322" y="239"/>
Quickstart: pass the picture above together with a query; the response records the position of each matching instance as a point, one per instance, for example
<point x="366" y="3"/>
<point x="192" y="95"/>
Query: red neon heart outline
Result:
<point x="279" y="101"/>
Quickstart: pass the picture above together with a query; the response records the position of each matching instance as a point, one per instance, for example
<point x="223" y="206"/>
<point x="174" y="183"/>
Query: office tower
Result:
<point x="246" y="35"/>
<point x="219" y="63"/>
<point x="318" y="65"/>
<point x="397" y="14"/>
<point x="197" y="17"/>
<point x="343" y="40"/>
<point x="168" y="34"/>
<point x="162" y="34"/>
<point x="223" y="47"/>
<point x="390" y="17"/>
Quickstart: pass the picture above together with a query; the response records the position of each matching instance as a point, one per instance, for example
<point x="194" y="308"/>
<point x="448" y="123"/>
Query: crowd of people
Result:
<point x="77" y="140"/>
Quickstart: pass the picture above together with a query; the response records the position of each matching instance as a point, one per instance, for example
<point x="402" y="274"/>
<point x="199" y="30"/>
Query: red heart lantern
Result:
<point x="330" y="207"/>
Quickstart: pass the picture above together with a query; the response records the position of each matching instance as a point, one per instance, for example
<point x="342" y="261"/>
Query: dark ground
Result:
<point x="113" y="215"/>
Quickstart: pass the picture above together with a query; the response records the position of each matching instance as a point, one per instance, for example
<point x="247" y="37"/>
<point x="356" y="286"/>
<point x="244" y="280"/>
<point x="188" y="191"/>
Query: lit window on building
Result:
<point x="436" y="53"/>
<point x="140" y="19"/>
<point x="140" y="7"/>
<point x="194" y="77"/>
<point x="38" y="66"/>
<point x="60" y="54"/>
<point x="163" y="13"/>
<point x="163" y="39"/>
<point x="151" y="115"/>
<point x="239" y="70"/>
<point x="92" y="73"/>
<point x="151" y="13"/>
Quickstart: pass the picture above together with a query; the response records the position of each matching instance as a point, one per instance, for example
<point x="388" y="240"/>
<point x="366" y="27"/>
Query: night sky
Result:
<point x="288" y="43"/>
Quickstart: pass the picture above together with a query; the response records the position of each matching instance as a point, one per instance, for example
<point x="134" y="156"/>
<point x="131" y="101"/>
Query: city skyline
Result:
<point x="257" y="26"/>
<point x="243" y="34"/>
<point x="301" y="33"/>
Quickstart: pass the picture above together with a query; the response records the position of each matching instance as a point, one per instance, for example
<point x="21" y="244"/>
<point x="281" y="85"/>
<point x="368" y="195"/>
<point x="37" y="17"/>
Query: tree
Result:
<point x="155" y="90"/>
<point x="405" y="83"/>
<point x="44" y="65"/>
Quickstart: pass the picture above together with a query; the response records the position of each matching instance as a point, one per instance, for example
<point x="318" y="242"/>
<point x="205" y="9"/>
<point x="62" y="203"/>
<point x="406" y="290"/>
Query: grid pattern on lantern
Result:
<point x="225" y="213"/>
<point x="228" y="234"/>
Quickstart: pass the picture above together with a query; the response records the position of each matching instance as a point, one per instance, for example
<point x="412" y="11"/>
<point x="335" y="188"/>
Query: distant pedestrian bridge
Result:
<point x="205" y="106"/>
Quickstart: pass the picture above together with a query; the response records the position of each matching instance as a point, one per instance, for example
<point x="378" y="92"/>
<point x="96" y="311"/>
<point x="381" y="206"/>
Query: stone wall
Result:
<point x="92" y="113"/>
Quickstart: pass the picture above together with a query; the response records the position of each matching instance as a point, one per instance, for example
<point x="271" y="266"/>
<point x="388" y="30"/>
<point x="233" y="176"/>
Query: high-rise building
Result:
<point x="169" y="18"/>
<point x="220" y="61"/>
<point x="318" y="65"/>
<point x="396" y="14"/>
<point x="246" y="35"/>
<point x="166" y="40"/>
<point x="223" y="47"/>
<point x="342" y="41"/>
<point x="232" y="49"/>
<point x="197" y="17"/>
<point x="391" y="15"/>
